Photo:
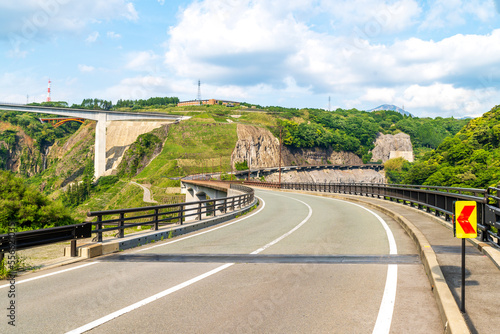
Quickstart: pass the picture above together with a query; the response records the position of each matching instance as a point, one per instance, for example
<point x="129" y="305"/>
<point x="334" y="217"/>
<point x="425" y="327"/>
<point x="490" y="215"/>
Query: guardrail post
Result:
<point x="121" y="232"/>
<point x="73" y="248"/>
<point x="199" y="211"/>
<point x="156" y="220"/>
<point x="214" y="208"/>
<point x="225" y="206"/>
<point x="99" y="227"/>
<point x="181" y="213"/>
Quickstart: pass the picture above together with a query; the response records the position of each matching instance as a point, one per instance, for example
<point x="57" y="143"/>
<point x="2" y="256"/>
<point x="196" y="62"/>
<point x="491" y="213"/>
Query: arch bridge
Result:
<point x="58" y="121"/>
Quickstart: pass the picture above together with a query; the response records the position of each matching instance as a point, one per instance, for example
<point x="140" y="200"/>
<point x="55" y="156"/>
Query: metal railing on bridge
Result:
<point x="153" y="216"/>
<point x="121" y="219"/>
<point x="436" y="200"/>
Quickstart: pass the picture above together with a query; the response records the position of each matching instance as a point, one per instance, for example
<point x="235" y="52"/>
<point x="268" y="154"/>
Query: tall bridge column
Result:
<point x="100" y="146"/>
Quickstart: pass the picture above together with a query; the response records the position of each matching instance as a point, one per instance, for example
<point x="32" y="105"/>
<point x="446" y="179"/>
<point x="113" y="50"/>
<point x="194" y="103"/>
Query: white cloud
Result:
<point x="30" y="20"/>
<point x="139" y="87"/>
<point x="451" y="100"/>
<point x="113" y="35"/>
<point x="373" y="17"/>
<point x="85" y="68"/>
<point x="92" y="37"/>
<point x="131" y="13"/>
<point x="380" y="95"/>
<point x="256" y="44"/>
<point x="142" y="61"/>
<point x="451" y="13"/>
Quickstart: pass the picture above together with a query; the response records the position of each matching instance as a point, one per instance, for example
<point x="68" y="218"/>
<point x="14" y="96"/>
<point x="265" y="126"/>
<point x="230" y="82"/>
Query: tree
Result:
<point x="25" y="208"/>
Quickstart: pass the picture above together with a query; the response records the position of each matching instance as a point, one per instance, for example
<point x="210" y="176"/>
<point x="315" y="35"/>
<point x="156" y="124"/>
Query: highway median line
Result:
<point x="451" y="316"/>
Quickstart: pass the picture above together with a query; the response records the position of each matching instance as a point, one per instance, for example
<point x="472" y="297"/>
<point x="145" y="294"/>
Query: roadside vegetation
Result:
<point x="471" y="158"/>
<point x="450" y="152"/>
<point x="24" y="208"/>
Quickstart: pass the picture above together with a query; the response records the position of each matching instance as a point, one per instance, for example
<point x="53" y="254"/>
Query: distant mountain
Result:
<point x="392" y="107"/>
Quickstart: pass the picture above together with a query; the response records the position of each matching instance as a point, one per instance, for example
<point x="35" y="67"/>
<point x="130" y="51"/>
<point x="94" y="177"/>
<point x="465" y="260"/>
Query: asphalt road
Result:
<point x="298" y="264"/>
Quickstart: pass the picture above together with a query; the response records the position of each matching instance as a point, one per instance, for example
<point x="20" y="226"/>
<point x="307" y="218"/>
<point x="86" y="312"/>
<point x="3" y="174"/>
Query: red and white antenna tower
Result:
<point x="48" y="92"/>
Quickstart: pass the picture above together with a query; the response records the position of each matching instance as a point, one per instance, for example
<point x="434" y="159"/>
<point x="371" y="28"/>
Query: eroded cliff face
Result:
<point x="21" y="156"/>
<point x="261" y="149"/>
<point x="392" y="146"/>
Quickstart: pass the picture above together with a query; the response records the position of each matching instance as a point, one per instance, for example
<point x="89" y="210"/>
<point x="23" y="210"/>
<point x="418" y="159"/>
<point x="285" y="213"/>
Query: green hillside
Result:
<point x="202" y="144"/>
<point x="471" y="158"/>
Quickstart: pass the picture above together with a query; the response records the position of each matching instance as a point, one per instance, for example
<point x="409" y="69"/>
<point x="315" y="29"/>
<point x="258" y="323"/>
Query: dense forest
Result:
<point x="44" y="134"/>
<point x="355" y="131"/>
<point x="471" y="158"/>
<point x="27" y="207"/>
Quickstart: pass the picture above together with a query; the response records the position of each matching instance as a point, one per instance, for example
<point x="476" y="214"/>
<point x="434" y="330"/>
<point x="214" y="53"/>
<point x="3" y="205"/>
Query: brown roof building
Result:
<point x="208" y="102"/>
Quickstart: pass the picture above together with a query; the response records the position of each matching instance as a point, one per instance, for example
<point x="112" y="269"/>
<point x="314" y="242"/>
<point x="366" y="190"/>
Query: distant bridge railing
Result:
<point x="433" y="199"/>
<point x="120" y="219"/>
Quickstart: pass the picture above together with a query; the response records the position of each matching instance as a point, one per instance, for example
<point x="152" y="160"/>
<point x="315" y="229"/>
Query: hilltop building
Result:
<point x="208" y="102"/>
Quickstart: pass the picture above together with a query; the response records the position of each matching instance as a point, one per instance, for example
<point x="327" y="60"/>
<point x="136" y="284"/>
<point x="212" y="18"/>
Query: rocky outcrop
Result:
<point x="21" y="155"/>
<point x="392" y="146"/>
<point x="261" y="149"/>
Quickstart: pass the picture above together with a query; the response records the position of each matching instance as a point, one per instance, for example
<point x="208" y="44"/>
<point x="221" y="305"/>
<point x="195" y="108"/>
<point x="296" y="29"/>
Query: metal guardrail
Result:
<point x="159" y="214"/>
<point x="433" y="199"/>
<point x="492" y="214"/>
<point x="26" y="239"/>
<point x="166" y="214"/>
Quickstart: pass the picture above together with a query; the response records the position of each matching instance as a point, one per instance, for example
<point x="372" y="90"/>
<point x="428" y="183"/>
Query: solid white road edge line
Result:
<point x="51" y="274"/>
<point x="164" y="293"/>
<point x="88" y="264"/>
<point x="386" y="310"/>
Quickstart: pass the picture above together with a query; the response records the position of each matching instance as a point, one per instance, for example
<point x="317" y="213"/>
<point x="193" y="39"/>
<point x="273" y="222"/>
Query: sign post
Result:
<point x="464" y="226"/>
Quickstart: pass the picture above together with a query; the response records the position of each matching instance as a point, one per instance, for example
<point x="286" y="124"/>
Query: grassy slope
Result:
<point x="193" y="146"/>
<point x="190" y="146"/>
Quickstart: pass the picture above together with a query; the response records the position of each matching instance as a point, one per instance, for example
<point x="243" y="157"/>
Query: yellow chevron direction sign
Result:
<point x="466" y="219"/>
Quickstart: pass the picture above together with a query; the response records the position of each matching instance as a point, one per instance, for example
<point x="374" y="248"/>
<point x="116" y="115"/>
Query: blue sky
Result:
<point x="435" y="58"/>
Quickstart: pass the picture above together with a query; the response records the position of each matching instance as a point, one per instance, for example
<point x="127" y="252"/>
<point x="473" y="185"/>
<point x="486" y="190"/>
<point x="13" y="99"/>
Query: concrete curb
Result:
<point x="112" y="246"/>
<point x="490" y="251"/>
<point x="453" y="320"/>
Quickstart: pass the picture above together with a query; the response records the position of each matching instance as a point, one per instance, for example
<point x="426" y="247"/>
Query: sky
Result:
<point x="434" y="58"/>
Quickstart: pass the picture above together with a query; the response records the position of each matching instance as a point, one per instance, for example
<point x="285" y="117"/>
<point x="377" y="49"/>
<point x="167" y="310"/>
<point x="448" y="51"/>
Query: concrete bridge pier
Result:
<point x="102" y="117"/>
<point x="100" y="146"/>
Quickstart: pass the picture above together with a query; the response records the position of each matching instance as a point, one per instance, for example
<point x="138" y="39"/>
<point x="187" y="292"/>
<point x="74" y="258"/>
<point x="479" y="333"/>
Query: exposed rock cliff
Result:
<point x="20" y="155"/>
<point x="392" y="146"/>
<point x="261" y="149"/>
<point x="68" y="157"/>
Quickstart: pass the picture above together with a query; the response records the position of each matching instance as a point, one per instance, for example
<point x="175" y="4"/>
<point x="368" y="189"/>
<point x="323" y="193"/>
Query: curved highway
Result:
<point x="297" y="264"/>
